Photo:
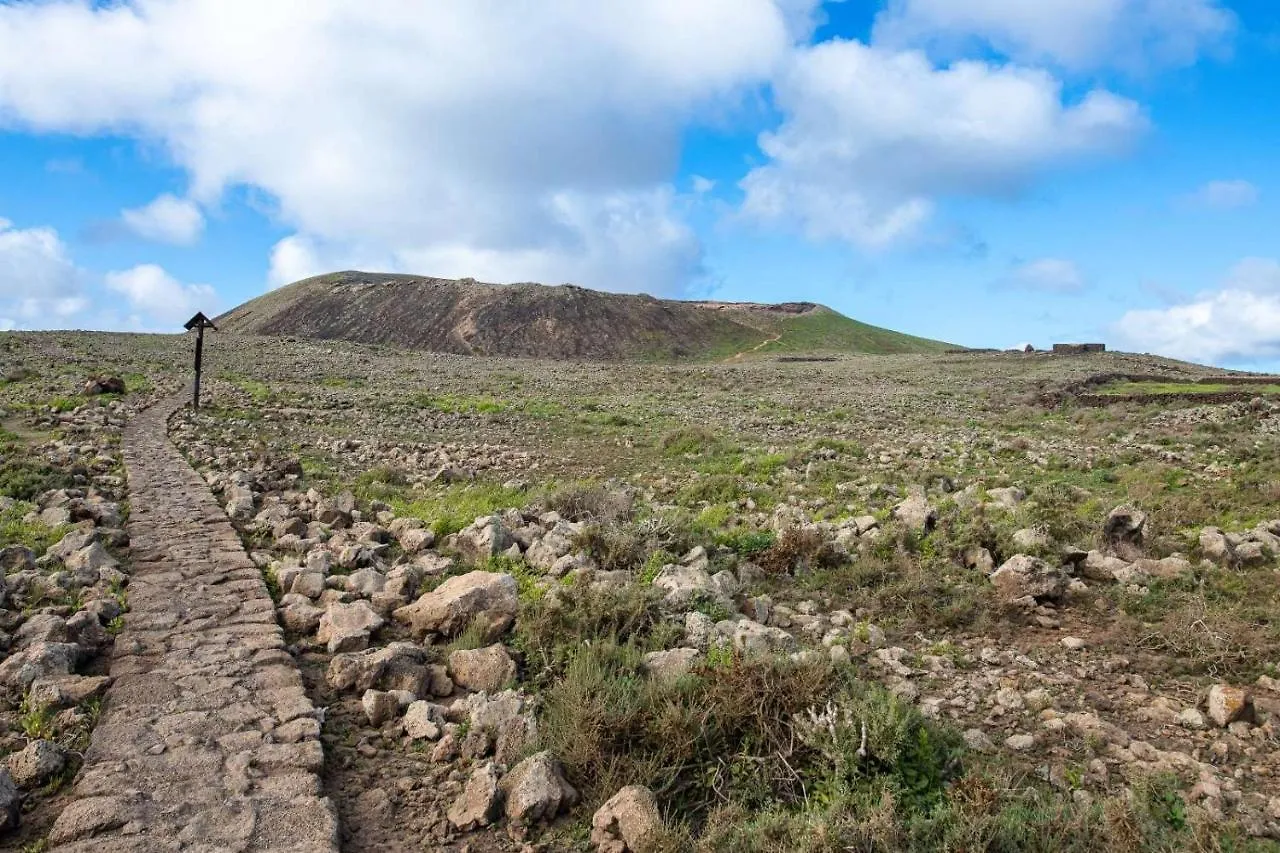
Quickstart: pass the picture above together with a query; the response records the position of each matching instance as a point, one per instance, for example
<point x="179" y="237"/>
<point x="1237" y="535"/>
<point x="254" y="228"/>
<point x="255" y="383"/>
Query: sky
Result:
<point x="986" y="172"/>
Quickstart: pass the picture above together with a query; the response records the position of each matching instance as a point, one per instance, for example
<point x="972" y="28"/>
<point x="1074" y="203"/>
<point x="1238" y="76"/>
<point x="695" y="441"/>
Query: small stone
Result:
<point x="1074" y="644"/>
<point x="379" y="706"/>
<point x="422" y="720"/>
<point x="1191" y="719"/>
<point x="1020" y="743"/>
<point x="977" y="740"/>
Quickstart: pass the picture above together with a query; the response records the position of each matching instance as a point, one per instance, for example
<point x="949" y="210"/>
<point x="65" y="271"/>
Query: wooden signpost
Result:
<point x="199" y="323"/>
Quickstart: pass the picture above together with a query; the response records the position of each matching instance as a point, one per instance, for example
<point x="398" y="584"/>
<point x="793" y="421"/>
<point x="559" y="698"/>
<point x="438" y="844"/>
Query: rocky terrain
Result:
<point x="912" y="602"/>
<point x="533" y="320"/>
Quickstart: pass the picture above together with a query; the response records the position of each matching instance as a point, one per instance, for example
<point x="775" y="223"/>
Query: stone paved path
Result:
<point x="207" y="740"/>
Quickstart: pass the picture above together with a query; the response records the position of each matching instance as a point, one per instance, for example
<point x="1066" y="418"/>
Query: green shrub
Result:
<point x="693" y="742"/>
<point x="24" y="479"/>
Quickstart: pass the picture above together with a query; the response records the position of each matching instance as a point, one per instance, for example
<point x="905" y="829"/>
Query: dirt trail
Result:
<point x="741" y="355"/>
<point x="207" y="740"/>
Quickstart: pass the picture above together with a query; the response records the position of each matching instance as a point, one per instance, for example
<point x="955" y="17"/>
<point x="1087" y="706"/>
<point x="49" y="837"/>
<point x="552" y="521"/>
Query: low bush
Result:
<point x="796" y="551"/>
<point x="589" y="502"/>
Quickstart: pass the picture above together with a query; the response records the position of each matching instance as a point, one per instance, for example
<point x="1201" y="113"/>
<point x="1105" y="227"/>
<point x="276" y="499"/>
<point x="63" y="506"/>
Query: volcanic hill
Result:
<point x="559" y="322"/>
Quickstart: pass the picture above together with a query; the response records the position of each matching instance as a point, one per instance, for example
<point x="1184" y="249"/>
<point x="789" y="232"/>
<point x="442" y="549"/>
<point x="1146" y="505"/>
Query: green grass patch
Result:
<point x="451" y="508"/>
<point x="36" y="536"/>
<point x="459" y="404"/>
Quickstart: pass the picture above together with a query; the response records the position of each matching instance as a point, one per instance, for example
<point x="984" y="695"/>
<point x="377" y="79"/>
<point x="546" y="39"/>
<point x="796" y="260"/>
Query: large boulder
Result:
<point x="536" y="789"/>
<point x="1214" y="545"/>
<point x="1021" y="576"/>
<point x="346" y="627"/>
<point x="488" y="669"/>
<point x="627" y="823"/>
<point x="460" y="600"/>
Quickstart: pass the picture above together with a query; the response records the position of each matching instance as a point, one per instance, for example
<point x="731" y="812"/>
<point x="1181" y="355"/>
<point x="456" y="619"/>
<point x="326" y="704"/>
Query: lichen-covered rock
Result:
<point x="1227" y="704"/>
<point x="486" y="537"/>
<point x="671" y="664"/>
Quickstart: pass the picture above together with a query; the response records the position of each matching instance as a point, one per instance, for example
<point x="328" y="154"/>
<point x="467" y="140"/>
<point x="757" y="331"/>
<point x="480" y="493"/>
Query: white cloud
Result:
<point x="701" y="185"/>
<point x="40" y="287"/>
<point x="167" y="219"/>
<point x="1079" y="35"/>
<point x="163" y="302"/>
<point x="1239" y="323"/>
<point x="872" y="137"/>
<point x="414" y="130"/>
<point x="1047" y="275"/>
<point x="1223" y="195"/>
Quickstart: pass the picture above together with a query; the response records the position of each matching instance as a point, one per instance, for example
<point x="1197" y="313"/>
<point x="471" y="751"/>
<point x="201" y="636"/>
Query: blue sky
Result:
<point x="988" y="172"/>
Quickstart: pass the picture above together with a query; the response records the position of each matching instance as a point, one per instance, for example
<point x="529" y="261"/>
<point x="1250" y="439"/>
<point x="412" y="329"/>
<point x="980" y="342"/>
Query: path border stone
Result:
<point x="207" y="740"/>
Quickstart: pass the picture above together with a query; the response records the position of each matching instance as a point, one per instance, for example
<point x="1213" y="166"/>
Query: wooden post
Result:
<point x="195" y="400"/>
<point x="199" y="323"/>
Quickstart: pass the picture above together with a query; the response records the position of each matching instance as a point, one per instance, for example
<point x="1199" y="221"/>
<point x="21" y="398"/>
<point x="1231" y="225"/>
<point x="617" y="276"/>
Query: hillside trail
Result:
<point x="741" y="355"/>
<point x="207" y="740"/>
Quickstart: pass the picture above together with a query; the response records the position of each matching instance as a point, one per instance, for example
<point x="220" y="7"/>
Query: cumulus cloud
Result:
<point x="40" y="287"/>
<point x="419" y="132"/>
<point x="1223" y="195"/>
<point x="167" y="219"/>
<point x="1238" y="323"/>
<point x="871" y="137"/>
<point x="1078" y="35"/>
<point x="163" y="301"/>
<point x="1047" y="275"/>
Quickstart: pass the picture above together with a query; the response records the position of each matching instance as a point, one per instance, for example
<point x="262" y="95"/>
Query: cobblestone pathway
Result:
<point x="207" y="741"/>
